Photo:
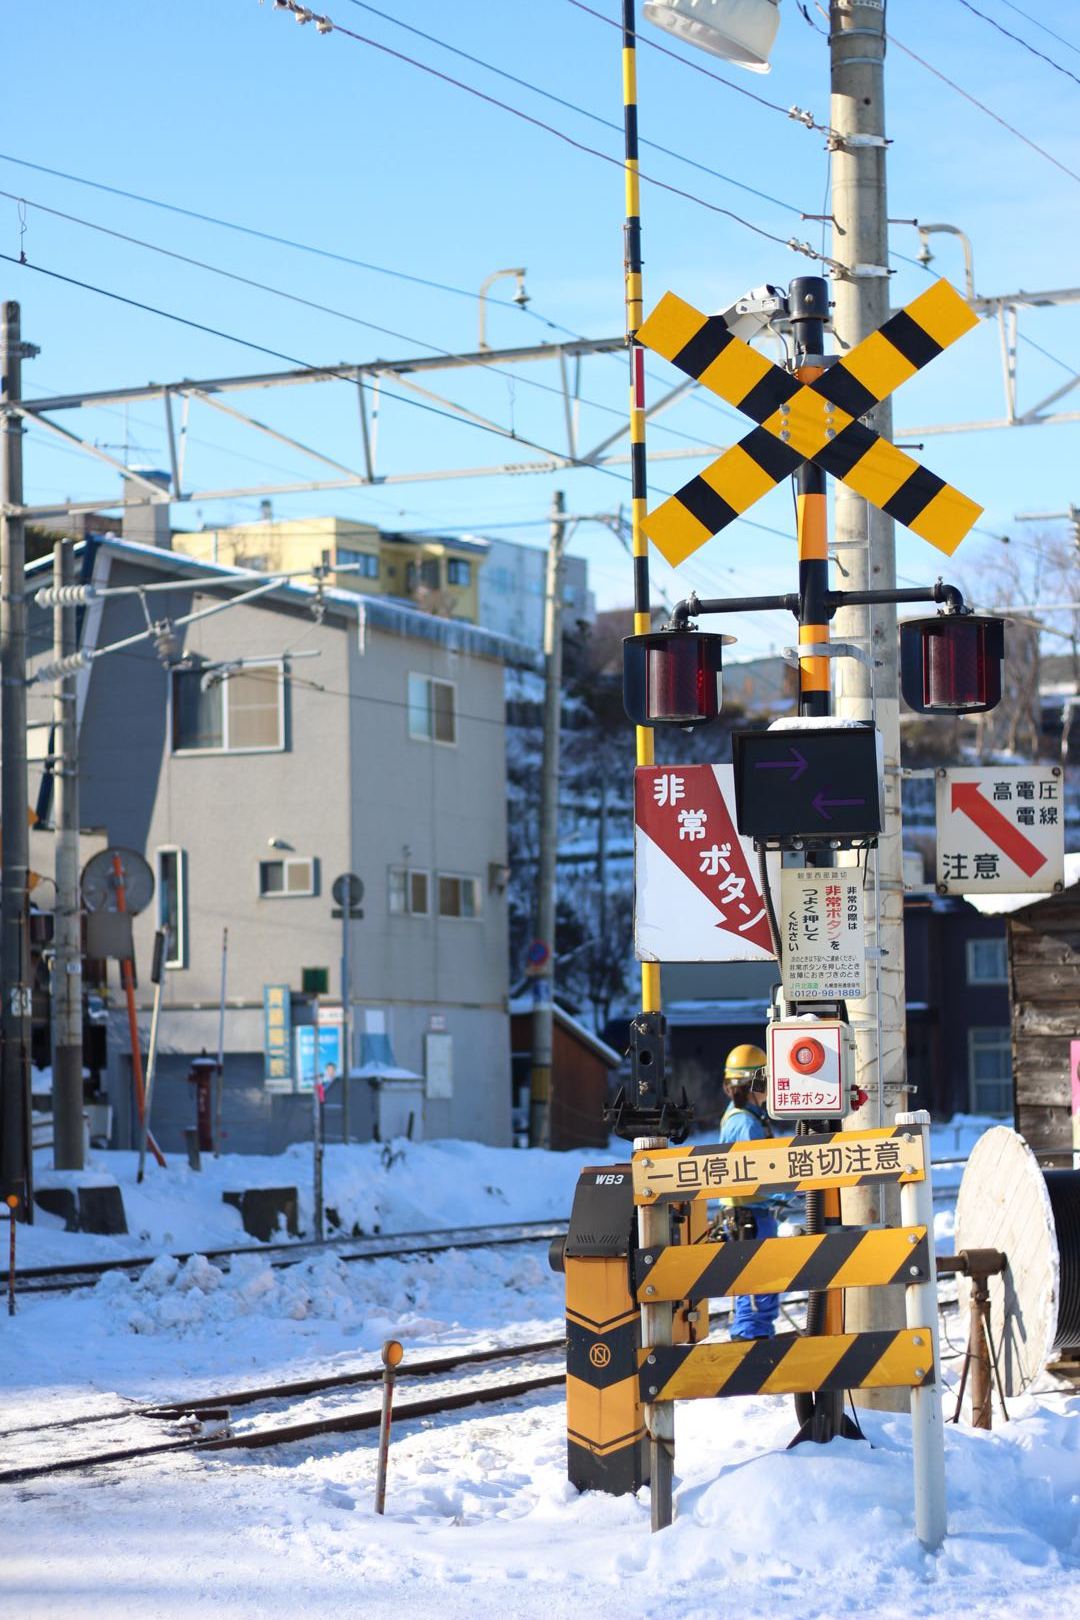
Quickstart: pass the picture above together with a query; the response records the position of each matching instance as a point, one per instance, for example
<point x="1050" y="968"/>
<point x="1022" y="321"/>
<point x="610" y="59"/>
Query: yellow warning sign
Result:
<point x="796" y="1164"/>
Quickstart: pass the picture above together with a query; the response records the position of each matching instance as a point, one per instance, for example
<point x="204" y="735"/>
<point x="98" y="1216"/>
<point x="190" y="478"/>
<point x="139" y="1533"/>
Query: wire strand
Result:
<point x="1059" y="37"/>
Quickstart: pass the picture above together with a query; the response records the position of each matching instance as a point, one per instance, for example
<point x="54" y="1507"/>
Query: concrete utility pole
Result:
<point x="544" y="981"/>
<point x="16" y="1169"/>
<point x="67" y="1028"/>
<point x="865" y="552"/>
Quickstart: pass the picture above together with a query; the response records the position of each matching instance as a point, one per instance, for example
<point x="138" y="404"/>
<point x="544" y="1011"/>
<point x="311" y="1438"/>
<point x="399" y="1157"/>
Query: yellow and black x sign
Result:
<point x="815" y="421"/>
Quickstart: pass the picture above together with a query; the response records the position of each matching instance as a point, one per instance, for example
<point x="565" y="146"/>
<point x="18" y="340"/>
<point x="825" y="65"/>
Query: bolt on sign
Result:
<point x="696" y="891"/>
<point x="823" y="932"/>
<point x="1001" y="827"/>
<point x="816" y="422"/>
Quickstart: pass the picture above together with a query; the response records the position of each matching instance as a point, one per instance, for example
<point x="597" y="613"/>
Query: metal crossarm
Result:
<point x="815" y="421"/>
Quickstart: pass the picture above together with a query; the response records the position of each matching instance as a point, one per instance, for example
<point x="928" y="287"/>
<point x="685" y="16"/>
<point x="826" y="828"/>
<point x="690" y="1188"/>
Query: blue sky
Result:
<point x="230" y="108"/>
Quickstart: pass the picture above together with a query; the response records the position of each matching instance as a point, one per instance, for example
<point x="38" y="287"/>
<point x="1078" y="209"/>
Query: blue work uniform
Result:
<point x="754" y="1316"/>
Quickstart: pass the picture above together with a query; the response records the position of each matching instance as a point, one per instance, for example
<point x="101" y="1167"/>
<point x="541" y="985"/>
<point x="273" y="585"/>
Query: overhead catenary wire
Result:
<point x="1040" y="24"/>
<point x="324" y="309"/>
<point x="325" y="25"/>
<point x="1020" y="40"/>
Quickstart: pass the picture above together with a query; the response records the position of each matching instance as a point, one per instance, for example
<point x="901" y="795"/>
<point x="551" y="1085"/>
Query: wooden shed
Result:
<point x="1044" y="988"/>
<point x="580" y="1069"/>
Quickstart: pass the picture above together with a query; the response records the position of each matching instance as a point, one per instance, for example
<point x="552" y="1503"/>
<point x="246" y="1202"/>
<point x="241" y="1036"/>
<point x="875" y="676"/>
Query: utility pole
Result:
<point x="16" y="1165"/>
<point x="67" y="1028"/>
<point x="544" y="981"/>
<point x="866" y="554"/>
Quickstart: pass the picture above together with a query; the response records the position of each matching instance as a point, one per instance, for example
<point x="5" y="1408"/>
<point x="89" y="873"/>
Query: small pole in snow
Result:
<point x="12" y="1202"/>
<point x="392" y="1353"/>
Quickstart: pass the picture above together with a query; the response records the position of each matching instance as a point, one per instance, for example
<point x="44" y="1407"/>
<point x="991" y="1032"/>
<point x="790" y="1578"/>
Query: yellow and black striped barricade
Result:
<point x="836" y="1259"/>
<point x="606" y="1442"/>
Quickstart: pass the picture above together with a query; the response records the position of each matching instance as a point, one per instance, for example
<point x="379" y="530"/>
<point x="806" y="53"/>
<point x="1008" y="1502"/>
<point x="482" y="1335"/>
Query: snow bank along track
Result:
<point x="279" y="1414"/>
<point x="53" y="1279"/>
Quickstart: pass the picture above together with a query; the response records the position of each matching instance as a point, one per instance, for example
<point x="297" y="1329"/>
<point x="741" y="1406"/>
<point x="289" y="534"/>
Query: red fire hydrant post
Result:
<point x="12" y="1201"/>
<point x="201" y="1075"/>
<point x="392" y="1353"/>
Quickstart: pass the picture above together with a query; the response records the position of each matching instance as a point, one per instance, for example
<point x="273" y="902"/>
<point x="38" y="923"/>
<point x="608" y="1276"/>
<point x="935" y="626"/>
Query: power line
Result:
<point x="796" y="113"/>
<point x="339" y="373"/>
<point x="324" y="25"/>
<point x="1038" y="24"/>
<point x="1035" y="147"/>
<point x="572" y="106"/>
<point x="324" y="309"/>
<point x="1019" y="40"/>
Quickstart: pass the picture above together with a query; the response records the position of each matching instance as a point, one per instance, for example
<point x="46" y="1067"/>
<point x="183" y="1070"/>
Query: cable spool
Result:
<point x="1008" y="1202"/>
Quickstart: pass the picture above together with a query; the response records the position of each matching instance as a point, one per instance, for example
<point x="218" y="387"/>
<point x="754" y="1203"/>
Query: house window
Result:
<point x="172" y="905"/>
<point x="281" y="880"/>
<point x="364" y="564"/>
<point x="408" y="892"/>
<point x="432" y="709"/>
<point x="990" y="1070"/>
<point x="458" y="896"/>
<point x="240" y="711"/>
<point x="458" y="571"/>
<point x="987" y="961"/>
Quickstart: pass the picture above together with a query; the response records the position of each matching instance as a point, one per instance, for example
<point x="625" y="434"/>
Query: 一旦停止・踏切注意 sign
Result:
<point x="816" y="421"/>
<point x="1000" y="827"/>
<point x="789" y="1163"/>
<point x="696" y="891"/>
<point x="823" y="933"/>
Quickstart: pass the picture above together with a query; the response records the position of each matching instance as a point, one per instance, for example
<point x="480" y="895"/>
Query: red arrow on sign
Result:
<point x="967" y="798"/>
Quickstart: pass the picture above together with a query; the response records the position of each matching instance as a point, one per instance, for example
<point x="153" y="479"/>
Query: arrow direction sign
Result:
<point x="823" y="788"/>
<point x="696" y="892"/>
<point x="1001" y="828"/>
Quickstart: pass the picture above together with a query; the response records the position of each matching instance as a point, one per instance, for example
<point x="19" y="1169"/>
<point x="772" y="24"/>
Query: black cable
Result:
<point x="1018" y="38"/>
<point x="571" y="106"/>
<point x="1038" y="24"/>
<point x="804" y="248"/>
<point x="770" y="910"/>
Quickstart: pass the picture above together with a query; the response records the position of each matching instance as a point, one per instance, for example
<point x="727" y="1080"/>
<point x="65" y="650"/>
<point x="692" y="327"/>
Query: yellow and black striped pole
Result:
<point x="650" y="971"/>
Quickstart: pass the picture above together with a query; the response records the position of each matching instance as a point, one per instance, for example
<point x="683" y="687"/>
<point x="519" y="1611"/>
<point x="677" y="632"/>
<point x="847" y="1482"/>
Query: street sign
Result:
<point x="537" y="958"/>
<point x="99" y="885"/>
<point x="815" y="422"/>
<point x="1000" y="828"/>
<point x="823" y="932"/>
<point x="696" y="892"/>
<point x="820" y="785"/>
<point x="277" y="1037"/>
<point x="347" y="890"/>
<point x="793" y="1163"/>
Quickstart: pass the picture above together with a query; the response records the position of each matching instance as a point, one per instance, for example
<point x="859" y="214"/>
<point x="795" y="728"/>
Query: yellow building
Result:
<point x="437" y="574"/>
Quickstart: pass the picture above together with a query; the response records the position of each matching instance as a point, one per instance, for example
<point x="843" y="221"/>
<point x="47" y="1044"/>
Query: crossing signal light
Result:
<point x="673" y="677"/>
<point x="951" y="664"/>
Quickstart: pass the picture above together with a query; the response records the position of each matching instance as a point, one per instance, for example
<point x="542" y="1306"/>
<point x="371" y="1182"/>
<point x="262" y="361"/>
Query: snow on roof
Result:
<point x="996" y="905"/>
<point x="525" y="1004"/>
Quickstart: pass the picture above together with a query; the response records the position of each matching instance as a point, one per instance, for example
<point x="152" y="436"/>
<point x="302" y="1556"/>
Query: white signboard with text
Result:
<point x="823" y="931"/>
<point x="697" y="897"/>
<point x="1000" y="827"/>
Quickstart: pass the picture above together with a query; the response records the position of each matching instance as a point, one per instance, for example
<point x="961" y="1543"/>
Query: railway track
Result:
<point x="62" y="1279"/>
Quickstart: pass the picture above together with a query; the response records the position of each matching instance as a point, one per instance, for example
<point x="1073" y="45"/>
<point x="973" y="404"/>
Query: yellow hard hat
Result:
<point x="744" y="1060"/>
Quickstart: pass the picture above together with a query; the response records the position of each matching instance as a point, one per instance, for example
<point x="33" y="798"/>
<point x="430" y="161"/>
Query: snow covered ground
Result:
<point x="480" y="1519"/>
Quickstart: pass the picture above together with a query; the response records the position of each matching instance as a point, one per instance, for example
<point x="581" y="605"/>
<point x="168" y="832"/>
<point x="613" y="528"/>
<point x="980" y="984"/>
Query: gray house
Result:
<point x="302" y="735"/>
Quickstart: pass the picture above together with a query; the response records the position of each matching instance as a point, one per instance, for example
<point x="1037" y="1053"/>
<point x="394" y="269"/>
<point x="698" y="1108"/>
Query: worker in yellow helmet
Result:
<point x="745" y="1120"/>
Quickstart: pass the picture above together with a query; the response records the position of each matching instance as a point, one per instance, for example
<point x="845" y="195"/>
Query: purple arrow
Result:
<point x="796" y="764"/>
<point x="819" y="803"/>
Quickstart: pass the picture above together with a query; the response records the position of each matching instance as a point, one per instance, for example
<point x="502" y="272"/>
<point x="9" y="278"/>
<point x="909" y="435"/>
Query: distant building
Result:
<point x="287" y="747"/>
<point x="513" y="587"/>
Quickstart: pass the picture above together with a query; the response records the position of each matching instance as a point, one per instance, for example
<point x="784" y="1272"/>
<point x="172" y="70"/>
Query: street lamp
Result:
<point x="739" y="31"/>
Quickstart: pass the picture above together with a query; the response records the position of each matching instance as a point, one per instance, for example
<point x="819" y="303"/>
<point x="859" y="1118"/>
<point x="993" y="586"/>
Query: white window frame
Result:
<point x="260" y="748"/>
<point x="429" y="735"/>
<point x="175" y="949"/>
<point x="972" y="952"/>
<point x="979" y="1035"/>
<point x="408" y="873"/>
<point x="285" y="861"/>
<point x="459" y="916"/>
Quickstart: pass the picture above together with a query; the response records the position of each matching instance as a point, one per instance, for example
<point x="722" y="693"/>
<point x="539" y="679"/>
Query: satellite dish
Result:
<point x="739" y="31"/>
<point x="100" y="889"/>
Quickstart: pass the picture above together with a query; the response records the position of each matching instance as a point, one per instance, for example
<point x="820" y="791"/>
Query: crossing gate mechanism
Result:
<point x="605" y="1446"/>
<point x="816" y="421"/>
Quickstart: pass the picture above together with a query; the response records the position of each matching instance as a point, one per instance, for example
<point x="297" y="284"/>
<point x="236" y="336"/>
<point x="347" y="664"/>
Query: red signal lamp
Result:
<point x="673" y="677"/>
<point x="952" y="664"/>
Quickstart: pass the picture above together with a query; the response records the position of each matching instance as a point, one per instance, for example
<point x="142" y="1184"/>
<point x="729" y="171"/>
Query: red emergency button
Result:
<point x="807" y="1055"/>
